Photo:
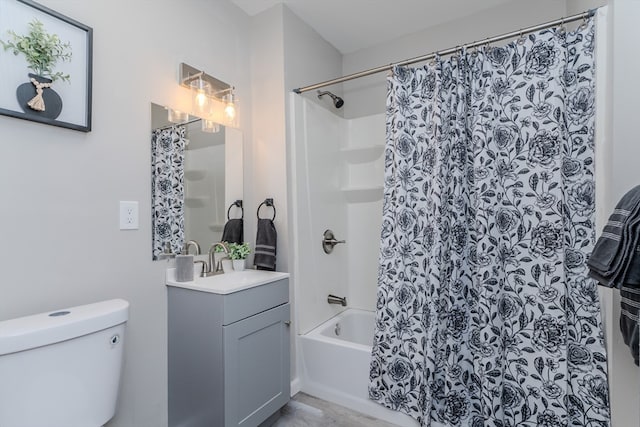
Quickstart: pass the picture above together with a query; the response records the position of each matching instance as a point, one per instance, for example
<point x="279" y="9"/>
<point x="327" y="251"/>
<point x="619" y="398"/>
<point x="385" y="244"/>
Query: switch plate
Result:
<point x="128" y="215"/>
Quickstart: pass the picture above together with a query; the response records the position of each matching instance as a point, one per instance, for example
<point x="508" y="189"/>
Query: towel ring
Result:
<point x="237" y="203"/>
<point x="267" y="202"/>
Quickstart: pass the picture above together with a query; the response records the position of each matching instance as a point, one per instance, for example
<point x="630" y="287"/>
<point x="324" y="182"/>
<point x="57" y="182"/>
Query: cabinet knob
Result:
<point x="287" y="322"/>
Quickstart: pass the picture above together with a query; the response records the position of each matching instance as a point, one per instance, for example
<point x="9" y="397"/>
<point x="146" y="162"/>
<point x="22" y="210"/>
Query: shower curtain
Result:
<point x="167" y="189"/>
<point x="485" y="315"/>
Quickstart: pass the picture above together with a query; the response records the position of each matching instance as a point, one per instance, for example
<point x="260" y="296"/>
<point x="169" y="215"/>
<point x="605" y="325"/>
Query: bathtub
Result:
<point x="335" y="360"/>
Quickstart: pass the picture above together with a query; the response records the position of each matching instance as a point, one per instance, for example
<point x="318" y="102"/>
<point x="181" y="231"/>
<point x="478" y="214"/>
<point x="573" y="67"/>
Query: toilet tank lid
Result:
<point x="42" y="329"/>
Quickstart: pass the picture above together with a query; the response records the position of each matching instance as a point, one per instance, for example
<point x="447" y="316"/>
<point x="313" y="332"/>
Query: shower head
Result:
<point x="337" y="101"/>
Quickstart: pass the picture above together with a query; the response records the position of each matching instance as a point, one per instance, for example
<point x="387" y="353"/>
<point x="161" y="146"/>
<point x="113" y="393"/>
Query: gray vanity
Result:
<point x="228" y="348"/>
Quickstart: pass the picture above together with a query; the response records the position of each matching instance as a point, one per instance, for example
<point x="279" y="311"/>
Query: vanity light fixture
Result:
<point x="212" y="100"/>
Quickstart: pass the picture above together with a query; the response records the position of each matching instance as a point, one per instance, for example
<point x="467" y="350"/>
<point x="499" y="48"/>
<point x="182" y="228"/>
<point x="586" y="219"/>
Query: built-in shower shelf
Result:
<point x="362" y="194"/>
<point x="195" y="174"/>
<point x="196" y="202"/>
<point x="362" y="154"/>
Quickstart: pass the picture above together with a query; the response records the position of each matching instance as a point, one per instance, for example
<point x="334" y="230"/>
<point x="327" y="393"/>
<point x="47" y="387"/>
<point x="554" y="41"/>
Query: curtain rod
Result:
<point x="561" y="21"/>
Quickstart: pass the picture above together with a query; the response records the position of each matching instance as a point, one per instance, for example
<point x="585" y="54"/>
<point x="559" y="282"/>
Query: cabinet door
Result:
<point x="256" y="371"/>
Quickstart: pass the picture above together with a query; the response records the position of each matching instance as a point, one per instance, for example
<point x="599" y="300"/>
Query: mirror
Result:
<point x="196" y="178"/>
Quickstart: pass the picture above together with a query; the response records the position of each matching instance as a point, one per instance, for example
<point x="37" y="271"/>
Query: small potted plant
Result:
<point x="42" y="51"/>
<point x="238" y="253"/>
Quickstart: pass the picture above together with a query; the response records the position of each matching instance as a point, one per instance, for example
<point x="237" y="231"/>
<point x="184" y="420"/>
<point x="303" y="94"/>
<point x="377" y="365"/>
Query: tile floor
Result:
<point x="307" y="411"/>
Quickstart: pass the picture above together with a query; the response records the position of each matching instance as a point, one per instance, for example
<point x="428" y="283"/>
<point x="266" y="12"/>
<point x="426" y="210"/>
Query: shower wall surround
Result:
<point x="338" y="169"/>
<point x="365" y="173"/>
<point x="318" y="204"/>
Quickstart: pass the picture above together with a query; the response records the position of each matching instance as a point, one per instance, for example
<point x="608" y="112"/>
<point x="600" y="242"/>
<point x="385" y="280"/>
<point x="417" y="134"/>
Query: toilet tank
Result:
<point x="62" y="368"/>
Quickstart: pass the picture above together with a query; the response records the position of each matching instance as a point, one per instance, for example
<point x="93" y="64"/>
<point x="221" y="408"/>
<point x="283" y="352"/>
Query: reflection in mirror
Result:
<point x="196" y="175"/>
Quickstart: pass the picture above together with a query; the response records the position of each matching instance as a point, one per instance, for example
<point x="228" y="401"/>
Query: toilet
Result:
<point x="62" y="368"/>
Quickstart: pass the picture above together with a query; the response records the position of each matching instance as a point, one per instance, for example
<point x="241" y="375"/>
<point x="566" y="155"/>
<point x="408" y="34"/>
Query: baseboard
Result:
<point x="295" y="386"/>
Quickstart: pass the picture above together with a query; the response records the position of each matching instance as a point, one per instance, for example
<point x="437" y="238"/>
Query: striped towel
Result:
<point x="613" y="257"/>
<point x="630" y="307"/>
<point x="615" y="262"/>
<point x="266" y="241"/>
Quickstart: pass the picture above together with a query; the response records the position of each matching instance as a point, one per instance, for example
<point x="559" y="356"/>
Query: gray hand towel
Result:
<point x="233" y="231"/>
<point x="266" y="241"/>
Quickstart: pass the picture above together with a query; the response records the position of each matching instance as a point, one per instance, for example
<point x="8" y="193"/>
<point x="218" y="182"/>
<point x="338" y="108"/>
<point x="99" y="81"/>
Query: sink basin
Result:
<point x="227" y="283"/>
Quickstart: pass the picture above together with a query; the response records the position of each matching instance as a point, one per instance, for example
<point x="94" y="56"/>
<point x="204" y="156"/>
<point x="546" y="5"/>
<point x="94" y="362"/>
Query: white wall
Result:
<point x="234" y="173"/>
<point x="366" y="96"/>
<point x="284" y="51"/>
<point x="266" y="159"/>
<point x="578" y="6"/>
<point x="309" y="58"/>
<point x="61" y="245"/>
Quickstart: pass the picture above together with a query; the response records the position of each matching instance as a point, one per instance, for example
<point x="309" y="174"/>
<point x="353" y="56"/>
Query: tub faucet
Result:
<point x="332" y="299"/>
<point x="216" y="268"/>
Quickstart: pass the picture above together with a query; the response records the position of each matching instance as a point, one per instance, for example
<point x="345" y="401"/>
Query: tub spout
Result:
<point x="332" y="299"/>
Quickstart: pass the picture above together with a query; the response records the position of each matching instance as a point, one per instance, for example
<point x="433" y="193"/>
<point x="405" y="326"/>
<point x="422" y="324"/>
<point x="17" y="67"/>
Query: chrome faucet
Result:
<point x="332" y="299"/>
<point x="191" y="243"/>
<point x="216" y="268"/>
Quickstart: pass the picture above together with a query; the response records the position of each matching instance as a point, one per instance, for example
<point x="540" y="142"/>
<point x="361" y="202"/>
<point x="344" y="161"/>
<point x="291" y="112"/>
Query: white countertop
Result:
<point x="227" y="283"/>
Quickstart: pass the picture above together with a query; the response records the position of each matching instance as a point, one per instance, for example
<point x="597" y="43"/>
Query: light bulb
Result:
<point x="201" y="90"/>
<point x="201" y="99"/>
<point x="230" y="111"/>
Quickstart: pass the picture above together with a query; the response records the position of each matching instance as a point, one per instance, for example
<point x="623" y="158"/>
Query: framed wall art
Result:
<point x="45" y="66"/>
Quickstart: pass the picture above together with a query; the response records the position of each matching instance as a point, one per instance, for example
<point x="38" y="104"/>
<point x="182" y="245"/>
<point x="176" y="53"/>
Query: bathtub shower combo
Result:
<point x="444" y="152"/>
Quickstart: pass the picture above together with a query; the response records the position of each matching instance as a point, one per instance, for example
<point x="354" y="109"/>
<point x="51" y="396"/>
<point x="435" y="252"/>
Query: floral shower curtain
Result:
<point x="485" y="315"/>
<point x="167" y="189"/>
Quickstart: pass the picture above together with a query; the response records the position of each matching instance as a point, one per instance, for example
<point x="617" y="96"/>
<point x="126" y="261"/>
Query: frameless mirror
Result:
<point x="196" y="179"/>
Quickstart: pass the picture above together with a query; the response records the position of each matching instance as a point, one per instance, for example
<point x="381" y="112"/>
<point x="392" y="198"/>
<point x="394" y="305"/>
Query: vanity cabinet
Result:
<point x="228" y="355"/>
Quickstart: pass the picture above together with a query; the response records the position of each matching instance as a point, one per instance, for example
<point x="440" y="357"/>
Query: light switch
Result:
<point x="128" y="215"/>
